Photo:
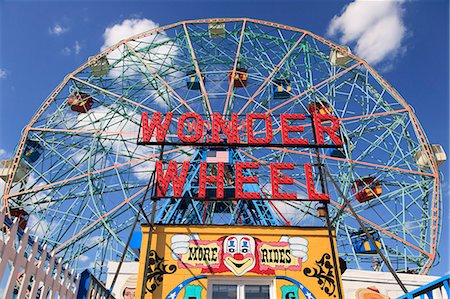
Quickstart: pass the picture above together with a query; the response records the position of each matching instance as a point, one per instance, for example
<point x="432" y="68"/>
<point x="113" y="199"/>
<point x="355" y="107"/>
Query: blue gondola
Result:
<point x="281" y="89"/>
<point x="362" y="244"/>
<point x="336" y="152"/>
<point x="193" y="81"/>
<point x="33" y="150"/>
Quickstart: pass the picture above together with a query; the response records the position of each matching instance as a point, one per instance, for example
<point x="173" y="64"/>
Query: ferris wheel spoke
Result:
<point x="205" y="98"/>
<point x="352" y="161"/>
<point x="177" y="96"/>
<point x="274" y="70"/>
<point x="95" y="222"/>
<point x="116" y="95"/>
<point x="381" y="229"/>
<point x="316" y="86"/>
<point x="233" y="72"/>
<point x="98" y="171"/>
<point x="79" y="131"/>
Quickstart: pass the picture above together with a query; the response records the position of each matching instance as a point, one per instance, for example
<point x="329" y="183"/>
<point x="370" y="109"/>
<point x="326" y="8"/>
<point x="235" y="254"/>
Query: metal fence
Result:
<point x="29" y="270"/>
<point x="434" y="290"/>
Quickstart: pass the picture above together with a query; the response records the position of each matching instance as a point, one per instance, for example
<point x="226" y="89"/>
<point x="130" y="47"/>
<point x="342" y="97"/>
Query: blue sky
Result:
<point x="42" y="41"/>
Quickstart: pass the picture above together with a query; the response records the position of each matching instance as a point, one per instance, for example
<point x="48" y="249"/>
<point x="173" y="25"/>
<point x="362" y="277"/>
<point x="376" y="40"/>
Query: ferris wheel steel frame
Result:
<point x="311" y="86"/>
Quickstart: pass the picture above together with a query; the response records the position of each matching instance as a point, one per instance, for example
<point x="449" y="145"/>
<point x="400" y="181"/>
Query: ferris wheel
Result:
<point x="78" y="176"/>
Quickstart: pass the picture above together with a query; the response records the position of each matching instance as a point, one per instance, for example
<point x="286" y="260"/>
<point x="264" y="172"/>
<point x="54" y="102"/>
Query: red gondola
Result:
<point x="240" y="77"/>
<point x="80" y="102"/>
<point x="366" y="189"/>
<point x="321" y="107"/>
<point x="22" y="215"/>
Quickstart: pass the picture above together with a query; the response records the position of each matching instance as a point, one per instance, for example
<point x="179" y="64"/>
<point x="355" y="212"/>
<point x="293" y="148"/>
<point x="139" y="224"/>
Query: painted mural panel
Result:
<point x="209" y="262"/>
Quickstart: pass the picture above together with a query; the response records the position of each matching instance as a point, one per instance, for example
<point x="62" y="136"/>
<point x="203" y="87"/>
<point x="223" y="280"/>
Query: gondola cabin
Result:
<point x="422" y="158"/>
<point x="6" y="167"/>
<point x="339" y="152"/>
<point x="321" y="212"/>
<point x="366" y="189"/>
<point x="240" y="78"/>
<point x="281" y="89"/>
<point x="80" y="102"/>
<point x="336" y="152"/>
<point x="340" y="57"/>
<point x="21" y="215"/>
<point x="216" y="30"/>
<point x="193" y="81"/>
<point x="321" y="107"/>
<point x="361" y="243"/>
<point x="32" y="151"/>
<point x="99" y="67"/>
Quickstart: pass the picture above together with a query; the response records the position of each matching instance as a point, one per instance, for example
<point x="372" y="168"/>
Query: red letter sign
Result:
<point x="163" y="180"/>
<point x="330" y="130"/>
<point x="198" y="127"/>
<point x="312" y="192"/>
<point x="229" y="128"/>
<point x="286" y="128"/>
<point x="251" y="139"/>
<point x="278" y="178"/>
<point x="161" y="129"/>
<point x="218" y="179"/>
<point x="246" y="179"/>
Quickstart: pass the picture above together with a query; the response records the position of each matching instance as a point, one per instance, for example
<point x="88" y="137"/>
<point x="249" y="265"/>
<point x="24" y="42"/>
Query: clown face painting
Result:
<point x="239" y="253"/>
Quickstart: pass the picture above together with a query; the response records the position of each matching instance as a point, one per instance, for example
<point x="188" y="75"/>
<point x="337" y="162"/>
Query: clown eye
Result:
<point x="231" y="250"/>
<point x="244" y="250"/>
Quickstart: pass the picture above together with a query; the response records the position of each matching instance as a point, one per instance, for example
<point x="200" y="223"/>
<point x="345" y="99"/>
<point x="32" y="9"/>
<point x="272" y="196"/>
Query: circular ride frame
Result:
<point x="84" y="190"/>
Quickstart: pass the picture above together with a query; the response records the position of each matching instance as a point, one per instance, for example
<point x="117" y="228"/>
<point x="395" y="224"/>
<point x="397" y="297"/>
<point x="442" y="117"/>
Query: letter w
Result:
<point x="161" y="128"/>
<point x="163" y="180"/>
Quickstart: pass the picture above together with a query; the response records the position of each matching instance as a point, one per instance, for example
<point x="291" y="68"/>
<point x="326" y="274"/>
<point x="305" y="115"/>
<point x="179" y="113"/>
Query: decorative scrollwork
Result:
<point x="155" y="271"/>
<point x="324" y="274"/>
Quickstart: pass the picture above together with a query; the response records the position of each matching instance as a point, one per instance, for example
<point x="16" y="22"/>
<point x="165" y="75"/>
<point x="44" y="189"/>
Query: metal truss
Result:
<point x="83" y="190"/>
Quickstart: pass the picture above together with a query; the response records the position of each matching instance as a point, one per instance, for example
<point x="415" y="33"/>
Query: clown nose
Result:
<point x="238" y="256"/>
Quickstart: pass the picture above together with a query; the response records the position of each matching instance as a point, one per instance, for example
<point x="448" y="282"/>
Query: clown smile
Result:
<point x="239" y="267"/>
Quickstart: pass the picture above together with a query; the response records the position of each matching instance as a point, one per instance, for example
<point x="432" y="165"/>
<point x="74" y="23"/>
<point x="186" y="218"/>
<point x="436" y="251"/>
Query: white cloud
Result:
<point x="2" y="187"/>
<point x="84" y="258"/>
<point x="159" y="58"/>
<point x="118" y="32"/>
<point x="57" y="30"/>
<point x="2" y="153"/>
<point x="93" y="240"/>
<point x="292" y="211"/>
<point x="40" y="227"/>
<point x="75" y="49"/>
<point x="126" y="29"/>
<point x="122" y="147"/>
<point x="66" y="51"/>
<point x="376" y="27"/>
<point x="3" y="73"/>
